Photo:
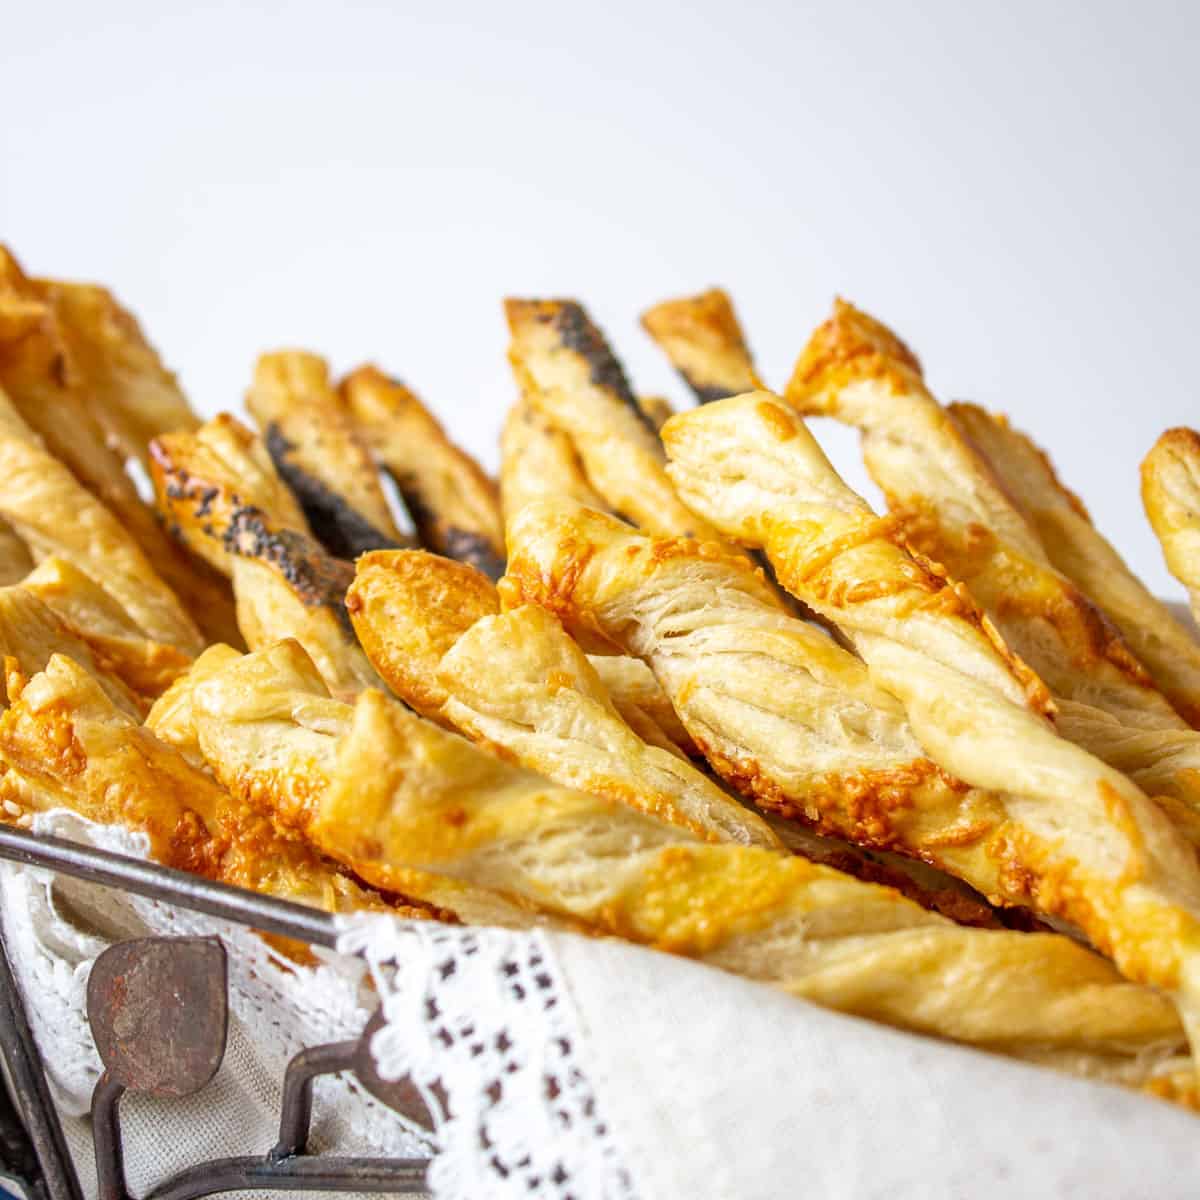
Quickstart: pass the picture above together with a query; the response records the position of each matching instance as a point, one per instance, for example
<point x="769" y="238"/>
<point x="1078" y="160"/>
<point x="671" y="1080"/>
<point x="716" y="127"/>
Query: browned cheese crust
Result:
<point x="408" y="608"/>
<point x="64" y="743"/>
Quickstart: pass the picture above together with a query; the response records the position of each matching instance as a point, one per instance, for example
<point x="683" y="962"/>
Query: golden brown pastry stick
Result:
<point x="320" y="455"/>
<point x="537" y="460"/>
<point x="782" y="712"/>
<point x="219" y="494"/>
<point x="400" y="794"/>
<point x="1076" y="547"/>
<point x="516" y="683"/>
<point x="703" y="339"/>
<point x="129" y="391"/>
<point x="54" y="514"/>
<point x="454" y="505"/>
<point x="434" y="600"/>
<point x="171" y="718"/>
<point x="749" y="452"/>
<point x="954" y="510"/>
<point x="31" y="633"/>
<point x="266" y="726"/>
<point x="1081" y="841"/>
<point x="1171" y="496"/>
<point x="568" y="372"/>
<point x="41" y="378"/>
<point x="115" y="639"/>
<point x="63" y="743"/>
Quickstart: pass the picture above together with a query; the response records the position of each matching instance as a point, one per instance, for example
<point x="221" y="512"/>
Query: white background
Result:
<point x="1014" y="187"/>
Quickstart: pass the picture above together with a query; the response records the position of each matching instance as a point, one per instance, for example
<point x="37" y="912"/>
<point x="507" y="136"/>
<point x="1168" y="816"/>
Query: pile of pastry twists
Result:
<point x="668" y="679"/>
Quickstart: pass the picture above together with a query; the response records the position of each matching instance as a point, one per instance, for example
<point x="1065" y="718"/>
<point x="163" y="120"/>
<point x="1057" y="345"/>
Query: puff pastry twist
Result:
<point x="1083" y="841"/>
<point x="397" y="797"/>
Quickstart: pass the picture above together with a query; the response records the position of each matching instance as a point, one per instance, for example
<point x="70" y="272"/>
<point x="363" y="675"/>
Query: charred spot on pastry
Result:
<point x="424" y="518"/>
<point x="707" y="393"/>
<point x="317" y="579"/>
<point x="337" y="524"/>
<point x="576" y="332"/>
<point x="474" y="550"/>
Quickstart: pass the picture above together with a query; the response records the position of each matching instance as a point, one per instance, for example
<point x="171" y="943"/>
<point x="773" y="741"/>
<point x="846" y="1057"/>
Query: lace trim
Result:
<point x="484" y="1017"/>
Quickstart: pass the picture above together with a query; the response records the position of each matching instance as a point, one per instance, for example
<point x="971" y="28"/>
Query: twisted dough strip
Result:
<point x="538" y="461"/>
<point x="318" y="452"/>
<point x="57" y="398"/>
<point x="116" y="640"/>
<point x="219" y="493"/>
<point x="1171" y="497"/>
<point x="64" y="743"/>
<point x="516" y="682"/>
<point x="54" y="514"/>
<point x="1076" y="547"/>
<point x="567" y="370"/>
<point x="454" y="505"/>
<point x="953" y="509"/>
<point x="1082" y="841"/>
<point x="780" y="710"/>
<point x="703" y="339"/>
<point x="31" y="633"/>
<point x="266" y="726"/>
<point x="133" y="396"/>
<point x="381" y="788"/>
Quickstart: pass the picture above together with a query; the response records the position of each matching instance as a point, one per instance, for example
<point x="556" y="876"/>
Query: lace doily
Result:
<point x="479" y="1019"/>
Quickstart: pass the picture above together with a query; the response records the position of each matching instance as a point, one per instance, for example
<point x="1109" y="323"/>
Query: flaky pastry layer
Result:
<point x="517" y="684"/>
